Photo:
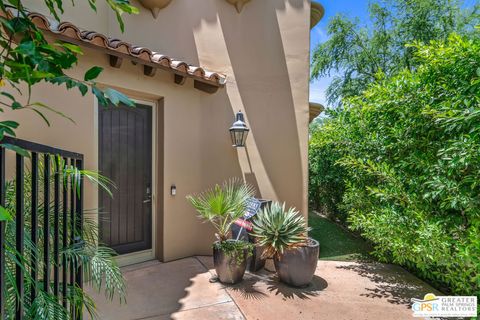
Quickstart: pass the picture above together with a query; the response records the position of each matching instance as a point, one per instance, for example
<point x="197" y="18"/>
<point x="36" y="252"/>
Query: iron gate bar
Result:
<point x="56" y="225"/>
<point x="72" y="235"/>
<point x="65" y="237"/>
<point x="40" y="148"/>
<point x="19" y="237"/>
<point x="72" y="224"/>
<point x="46" y="222"/>
<point x="79" y="227"/>
<point x="34" y="231"/>
<point x="2" y="234"/>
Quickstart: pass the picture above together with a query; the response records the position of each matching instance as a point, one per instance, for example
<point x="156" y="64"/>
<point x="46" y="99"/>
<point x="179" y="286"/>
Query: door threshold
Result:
<point x="135" y="257"/>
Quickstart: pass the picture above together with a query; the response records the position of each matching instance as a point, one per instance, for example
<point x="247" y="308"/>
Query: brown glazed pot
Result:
<point x="296" y="267"/>
<point x="228" y="271"/>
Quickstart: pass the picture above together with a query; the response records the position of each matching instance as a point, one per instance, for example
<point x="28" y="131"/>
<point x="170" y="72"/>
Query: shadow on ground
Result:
<point x="253" y="287"/>
<point x="391" y="283"/>
<point x="312" y="290"/>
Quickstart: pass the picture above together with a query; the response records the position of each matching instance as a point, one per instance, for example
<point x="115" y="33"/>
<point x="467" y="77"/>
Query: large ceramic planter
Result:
<point x="229" y="271"/>
<point x="296" y="267"/>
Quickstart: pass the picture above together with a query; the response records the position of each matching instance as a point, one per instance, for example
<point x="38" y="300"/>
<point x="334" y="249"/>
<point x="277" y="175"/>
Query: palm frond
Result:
<point x="100" y="268"/>
<point x="101" y="271"/>
<point x="46" y="307"/>
<point x="223" y="205"/>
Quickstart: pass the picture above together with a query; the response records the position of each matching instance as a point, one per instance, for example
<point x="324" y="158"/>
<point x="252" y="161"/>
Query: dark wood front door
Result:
<point x="125" y="156"/>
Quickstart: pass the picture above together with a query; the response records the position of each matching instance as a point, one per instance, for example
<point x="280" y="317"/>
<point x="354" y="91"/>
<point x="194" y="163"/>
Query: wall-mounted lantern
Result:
<point x="239" y="131"/>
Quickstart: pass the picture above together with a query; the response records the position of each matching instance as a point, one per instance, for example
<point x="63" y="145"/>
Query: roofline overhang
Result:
<point x="315" y="109"/>
<point x="117" y="50"/>
<point x="317" y="12"/>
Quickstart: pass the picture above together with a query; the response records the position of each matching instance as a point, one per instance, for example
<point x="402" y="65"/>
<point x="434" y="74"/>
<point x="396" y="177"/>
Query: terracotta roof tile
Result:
<point x="69" y="32"/>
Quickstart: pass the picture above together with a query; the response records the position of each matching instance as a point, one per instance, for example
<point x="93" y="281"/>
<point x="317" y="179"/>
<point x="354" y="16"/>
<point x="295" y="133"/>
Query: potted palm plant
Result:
<point x="284" y="235"/>
<point x="222" y="206"/>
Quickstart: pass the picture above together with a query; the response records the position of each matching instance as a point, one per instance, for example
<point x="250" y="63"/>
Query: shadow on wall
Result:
<point x="249" y="47"/>
<point x="259" y="85"/>
<point x="164" y="36"/>
<point x="266" y="96"/>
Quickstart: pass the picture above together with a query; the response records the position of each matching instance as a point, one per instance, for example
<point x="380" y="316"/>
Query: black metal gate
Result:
<point x="63" y="204"/>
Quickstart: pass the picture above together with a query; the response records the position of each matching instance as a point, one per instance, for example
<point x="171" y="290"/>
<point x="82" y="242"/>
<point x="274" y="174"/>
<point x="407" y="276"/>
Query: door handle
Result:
<point x="149" y="196"/>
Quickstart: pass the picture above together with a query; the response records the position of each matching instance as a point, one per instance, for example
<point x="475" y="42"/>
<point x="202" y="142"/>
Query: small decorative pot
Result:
<point x="256" y="261"/>
<point x="296" y="267"/>
<point x="229" y="271"/>
<point x="155" y="5"/>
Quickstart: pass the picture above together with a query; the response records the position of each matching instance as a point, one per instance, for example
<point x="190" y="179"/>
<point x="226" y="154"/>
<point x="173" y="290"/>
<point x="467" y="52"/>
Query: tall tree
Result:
<point x="358" y="54"/>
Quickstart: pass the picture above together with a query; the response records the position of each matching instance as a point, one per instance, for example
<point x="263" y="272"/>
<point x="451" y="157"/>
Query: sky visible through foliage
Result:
<point x="350" y="8"/>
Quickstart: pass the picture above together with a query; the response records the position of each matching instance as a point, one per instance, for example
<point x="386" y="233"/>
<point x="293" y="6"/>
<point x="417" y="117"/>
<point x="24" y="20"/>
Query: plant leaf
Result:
<point x="16" y="149"/>
<point x="5" y="215"/>
<point x="93" y="73"/>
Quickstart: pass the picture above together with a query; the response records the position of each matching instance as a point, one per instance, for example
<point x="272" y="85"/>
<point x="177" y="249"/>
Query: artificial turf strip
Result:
<point x="337" y="243"/>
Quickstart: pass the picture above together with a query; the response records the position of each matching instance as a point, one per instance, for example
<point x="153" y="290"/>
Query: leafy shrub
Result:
<point x="326" y="182"/>
<point x="408" y="151"/>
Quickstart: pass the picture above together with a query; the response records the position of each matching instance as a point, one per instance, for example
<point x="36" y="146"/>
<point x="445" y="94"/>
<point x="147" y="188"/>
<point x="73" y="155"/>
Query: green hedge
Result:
<point x="402" y="163"/>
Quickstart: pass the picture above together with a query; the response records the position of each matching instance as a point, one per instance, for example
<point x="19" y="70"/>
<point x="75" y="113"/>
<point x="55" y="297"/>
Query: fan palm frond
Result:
<point x="99" y="266"/>
<point x="223" y="205"/>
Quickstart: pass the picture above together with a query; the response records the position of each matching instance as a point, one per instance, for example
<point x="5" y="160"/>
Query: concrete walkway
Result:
<point x="340" y="290"/>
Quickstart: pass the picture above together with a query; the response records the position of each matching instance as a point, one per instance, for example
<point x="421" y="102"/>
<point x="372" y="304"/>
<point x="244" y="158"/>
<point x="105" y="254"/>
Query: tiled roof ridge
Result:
<point x="68" y="31"/>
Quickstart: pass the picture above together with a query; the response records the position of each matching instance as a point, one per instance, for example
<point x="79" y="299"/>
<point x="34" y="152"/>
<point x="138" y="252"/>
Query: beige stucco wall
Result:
<point x="265" y="53"/>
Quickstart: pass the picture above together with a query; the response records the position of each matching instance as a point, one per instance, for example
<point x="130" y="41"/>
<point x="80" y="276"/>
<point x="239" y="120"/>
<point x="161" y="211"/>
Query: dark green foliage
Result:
<point x="359" y="54"/>
<point x="100" y="269"/>
<point x="408" y="152"/>
<point x="233" y="248"/>
<point x="326" y="184"/>
<point x="27" y="58"/>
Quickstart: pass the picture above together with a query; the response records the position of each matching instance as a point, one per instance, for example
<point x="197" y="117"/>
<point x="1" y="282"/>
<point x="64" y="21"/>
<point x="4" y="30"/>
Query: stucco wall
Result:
<point x="265" y="53"/>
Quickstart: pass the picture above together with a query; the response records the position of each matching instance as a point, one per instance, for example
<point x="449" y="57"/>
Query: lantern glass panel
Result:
<point x="239" y="137"/>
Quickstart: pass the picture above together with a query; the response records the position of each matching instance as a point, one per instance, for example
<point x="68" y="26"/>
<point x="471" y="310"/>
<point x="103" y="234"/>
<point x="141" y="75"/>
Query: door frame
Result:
<point x="150" y="254"/>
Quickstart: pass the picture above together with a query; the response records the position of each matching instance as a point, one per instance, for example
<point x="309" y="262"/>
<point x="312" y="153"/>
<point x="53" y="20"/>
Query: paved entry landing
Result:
<point x="340" y="290"/>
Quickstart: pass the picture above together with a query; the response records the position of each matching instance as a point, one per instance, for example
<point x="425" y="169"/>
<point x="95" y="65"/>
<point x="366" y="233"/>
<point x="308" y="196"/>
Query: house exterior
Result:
<point x="197" y="63"/>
